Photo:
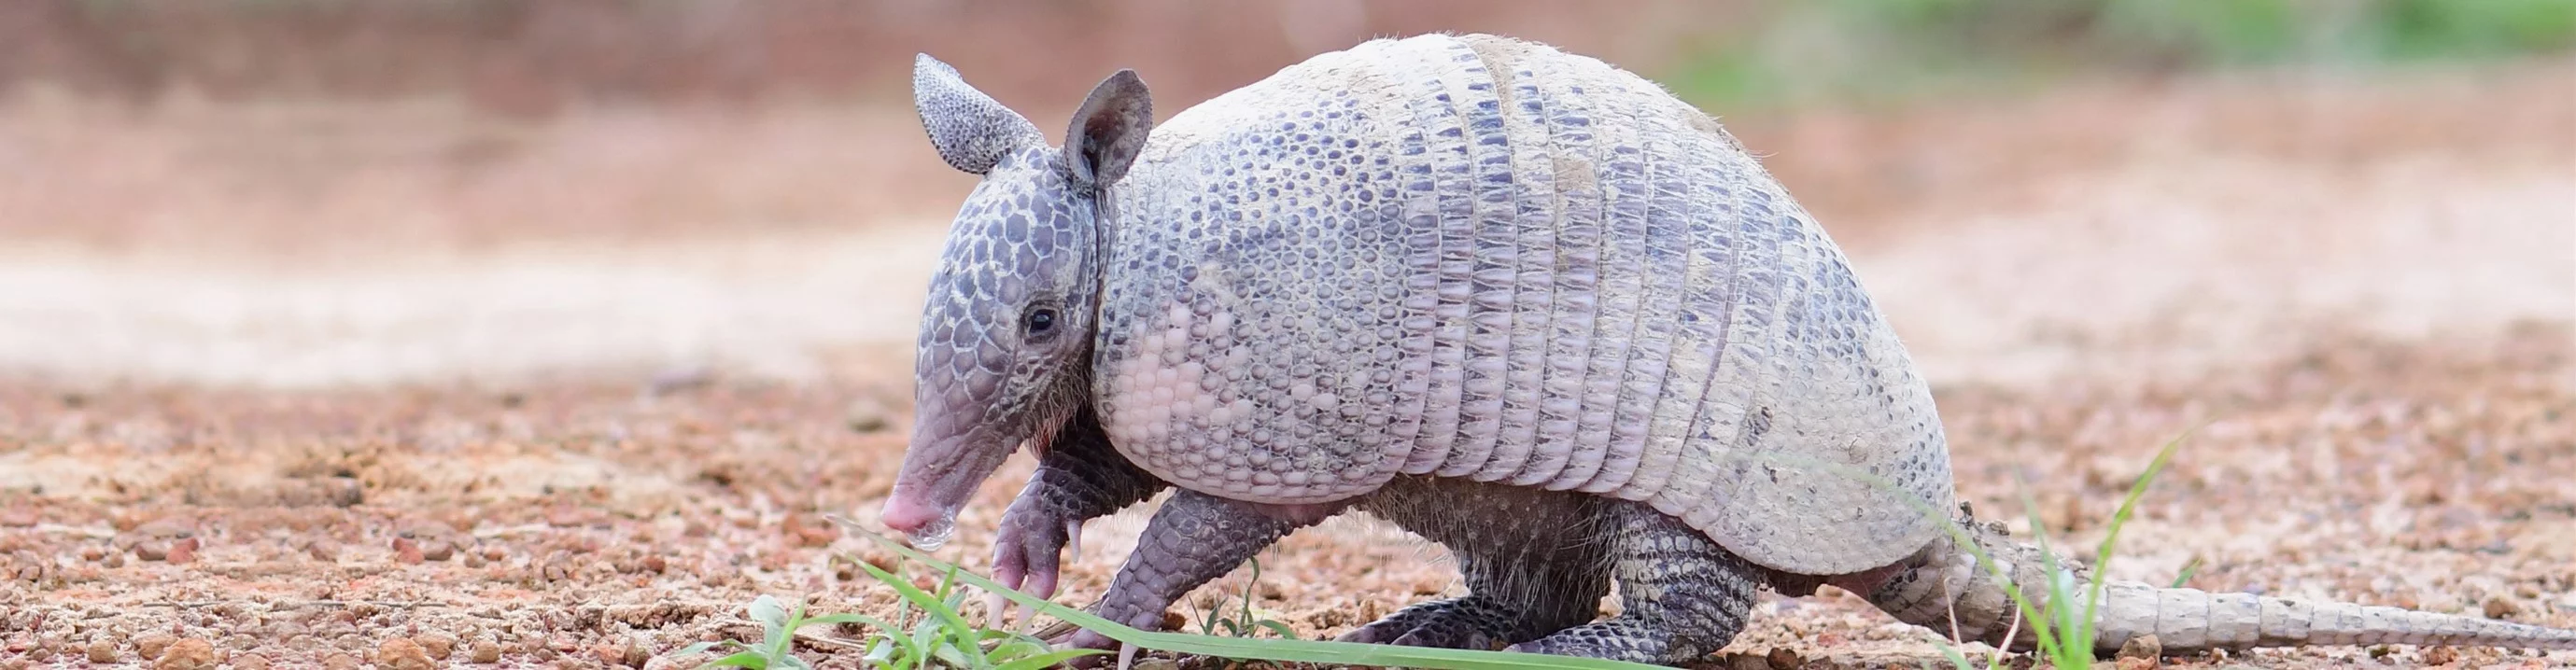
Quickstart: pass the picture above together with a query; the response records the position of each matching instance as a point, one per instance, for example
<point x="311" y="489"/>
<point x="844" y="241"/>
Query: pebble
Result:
<point x="486" y="651"/>
<point x="867" y="415"/>
<point x="250" y="661"/>
<point x="439" y="645"/>
<point x="341" y="660"/>
<point x="2500" y="607"/>
<point x="2140" y="652"/>
<point x="156" y="540"/>
<point x="150" y="646"/>
<point x="406" y="551"/>
<point x="188" y="654"/>
<point x="403" y="654"/>
<point x="102" y="651"/>
<point x="1783" y="658"/>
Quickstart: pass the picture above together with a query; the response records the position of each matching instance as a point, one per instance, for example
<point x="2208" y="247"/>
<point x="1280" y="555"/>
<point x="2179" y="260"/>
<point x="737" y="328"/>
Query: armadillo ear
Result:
<point x="970" y="129"/>
<point x="1109" y="130"/>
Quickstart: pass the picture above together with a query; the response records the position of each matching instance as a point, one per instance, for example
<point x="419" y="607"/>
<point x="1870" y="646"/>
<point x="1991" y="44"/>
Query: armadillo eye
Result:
<point x="1040" y="323"/>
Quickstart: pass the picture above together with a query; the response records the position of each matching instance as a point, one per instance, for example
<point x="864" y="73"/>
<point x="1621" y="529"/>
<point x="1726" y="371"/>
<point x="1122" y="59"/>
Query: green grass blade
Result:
<point x="1048" y="660"/>
<point x="743" y="659"/>
<point x="948" y="618"/>
<point x="2188" y="569"/>
<point x="771" y="616"/>
<point x="1303" y="651"/>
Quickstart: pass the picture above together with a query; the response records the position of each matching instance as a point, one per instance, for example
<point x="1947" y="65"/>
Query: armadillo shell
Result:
<point x="1482" y="258"/>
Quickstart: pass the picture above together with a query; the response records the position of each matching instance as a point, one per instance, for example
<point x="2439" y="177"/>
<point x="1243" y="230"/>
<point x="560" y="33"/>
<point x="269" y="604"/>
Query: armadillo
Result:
<point x="1520" y="302"/>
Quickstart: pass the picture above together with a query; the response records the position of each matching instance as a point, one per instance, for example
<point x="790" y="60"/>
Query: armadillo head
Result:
<point x="1004" y="354"/>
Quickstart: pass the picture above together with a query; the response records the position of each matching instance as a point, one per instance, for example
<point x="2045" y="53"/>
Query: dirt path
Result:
<point x="586" y="457"/>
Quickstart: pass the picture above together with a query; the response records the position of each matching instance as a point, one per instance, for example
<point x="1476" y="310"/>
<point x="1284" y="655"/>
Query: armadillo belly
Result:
<point x="1486" y="259"/>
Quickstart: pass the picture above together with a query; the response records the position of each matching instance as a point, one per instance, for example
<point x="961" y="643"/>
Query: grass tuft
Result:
<point x="2064" y="634"/>
<point x="935" y="637"/>
<point x="1248" y="648"/>
<point x="1243" y="623"/>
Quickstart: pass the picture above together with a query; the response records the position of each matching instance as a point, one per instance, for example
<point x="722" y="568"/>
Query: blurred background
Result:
<point x="305" y="193"/>
<point x="506" y="311"/>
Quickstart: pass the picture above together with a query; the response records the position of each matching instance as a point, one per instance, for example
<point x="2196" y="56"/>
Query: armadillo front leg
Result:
<point x="1081" y="477"/>
<point x="1682" y="596"/>
<point x="1192" y="539"/>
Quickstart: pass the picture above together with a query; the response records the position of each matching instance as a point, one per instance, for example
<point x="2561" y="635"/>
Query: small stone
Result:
<point x="407" y="551"/>
<point x="250" y="661"/>
<point x="102" y="651"/>
<point x="1747" y="662"/>
<point x="609" y="654"/>
<point x="2441" y="655"/>
<point x="403" y="654"/>
<point x="486" y="651"/>
<point x="1782" y="658"/>
<point x="18" y="517"/>
<point x="341" y="660"/>
<point x="2145" y="647"/>
<point x="188" y="654"/>
<point x="566" y="516"/>
<point x="2135" y="664"/>
<point x="866" y="415"/>
<point x="182" y="552"/>
<point x="2500" y="607"/>
<point x="439" y="645"/>
<point x="150" y="646"/>
<point x="809" y="531"/>
<point x="153" y="540"/>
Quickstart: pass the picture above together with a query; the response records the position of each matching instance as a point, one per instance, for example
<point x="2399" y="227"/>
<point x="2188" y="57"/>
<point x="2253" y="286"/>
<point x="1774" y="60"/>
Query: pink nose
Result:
<point x="905" y="514"/>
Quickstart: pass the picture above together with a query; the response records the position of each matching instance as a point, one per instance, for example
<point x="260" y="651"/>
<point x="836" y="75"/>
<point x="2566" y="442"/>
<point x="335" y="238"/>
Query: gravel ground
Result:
<point x="2371" y="320"/>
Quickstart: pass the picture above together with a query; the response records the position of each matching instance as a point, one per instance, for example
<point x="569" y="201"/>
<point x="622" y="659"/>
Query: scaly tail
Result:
<point x="1943" y="588"/>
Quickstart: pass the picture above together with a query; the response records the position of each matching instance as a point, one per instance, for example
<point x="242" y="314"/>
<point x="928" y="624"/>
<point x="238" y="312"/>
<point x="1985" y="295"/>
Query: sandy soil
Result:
<point x="589" y="453"/>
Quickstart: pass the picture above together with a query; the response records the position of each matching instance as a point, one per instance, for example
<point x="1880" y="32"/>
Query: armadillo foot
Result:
<point x="1467" y="622"/>
<point x="1682" y="596"/>
<point x="1192" y="539"/>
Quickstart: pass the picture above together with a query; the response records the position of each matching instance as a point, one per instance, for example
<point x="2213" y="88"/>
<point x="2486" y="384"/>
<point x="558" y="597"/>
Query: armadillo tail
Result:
<point x="1943" y="588"/>
<point x="2192" y="619"/>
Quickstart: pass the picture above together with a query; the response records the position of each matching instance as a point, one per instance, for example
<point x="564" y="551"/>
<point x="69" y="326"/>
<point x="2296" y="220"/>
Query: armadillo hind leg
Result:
<point x="1529" y="568"/>
<point x="1470" y="621"/>
<point x="1682" y="595"/>
<point x="1192" y="539"/>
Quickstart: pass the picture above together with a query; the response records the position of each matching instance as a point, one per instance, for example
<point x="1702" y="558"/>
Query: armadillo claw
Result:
<point x="1072" y="540"/>
<point x="1025" y="552"/>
